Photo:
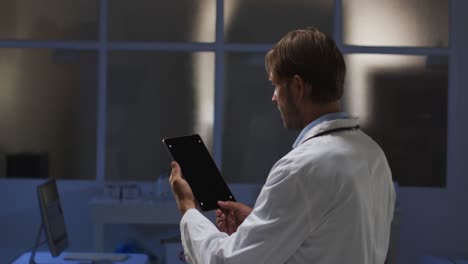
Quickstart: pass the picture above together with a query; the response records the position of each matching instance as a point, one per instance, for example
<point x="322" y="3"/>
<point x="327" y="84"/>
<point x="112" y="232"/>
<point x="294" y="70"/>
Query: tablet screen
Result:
<point x="199" y="170"/>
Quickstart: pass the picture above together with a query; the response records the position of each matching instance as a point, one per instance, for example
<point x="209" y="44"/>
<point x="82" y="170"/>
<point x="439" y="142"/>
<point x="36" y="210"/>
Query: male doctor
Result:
<point x="329" y="200"/>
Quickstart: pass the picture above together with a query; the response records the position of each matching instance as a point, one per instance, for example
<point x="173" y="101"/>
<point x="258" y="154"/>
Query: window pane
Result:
<point x="48" y="113"/>
<point x="148" y="20"/>
<point x="396" y="22"/>
<point x="266" y="21"/>
<point x="402" y="103"/>
<point x="49" y="19"/>
<point x="153" y="95"/>
<point x="254" y="137"/>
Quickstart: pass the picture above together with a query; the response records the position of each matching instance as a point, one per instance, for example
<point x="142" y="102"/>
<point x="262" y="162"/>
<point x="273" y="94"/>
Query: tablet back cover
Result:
<point x="199" y="170"/>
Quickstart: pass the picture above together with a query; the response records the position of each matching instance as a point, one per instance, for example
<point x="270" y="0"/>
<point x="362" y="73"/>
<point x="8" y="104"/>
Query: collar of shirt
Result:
<point x="326" y="117"/>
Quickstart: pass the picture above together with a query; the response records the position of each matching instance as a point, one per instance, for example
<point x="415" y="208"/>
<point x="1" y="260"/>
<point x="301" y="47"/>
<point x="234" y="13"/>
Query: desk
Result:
<point x="46" y="258"/>
<point x="108" y="211"/>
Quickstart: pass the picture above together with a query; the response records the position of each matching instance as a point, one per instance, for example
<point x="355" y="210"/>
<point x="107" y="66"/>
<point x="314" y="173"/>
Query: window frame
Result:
<point x="103" y="46"/>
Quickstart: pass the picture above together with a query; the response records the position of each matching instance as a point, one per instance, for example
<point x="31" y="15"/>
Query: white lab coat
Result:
<point x="329" y="201"/>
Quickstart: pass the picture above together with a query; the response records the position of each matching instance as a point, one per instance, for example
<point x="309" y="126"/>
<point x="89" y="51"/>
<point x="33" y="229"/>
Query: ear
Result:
<point x="299" y="89"/>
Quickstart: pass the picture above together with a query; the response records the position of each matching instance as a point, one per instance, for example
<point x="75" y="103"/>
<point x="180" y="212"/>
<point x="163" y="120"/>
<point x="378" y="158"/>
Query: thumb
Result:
<point x="174" y="164"/>
<point x="175" y="167"/>
<point x="228" y="205"/>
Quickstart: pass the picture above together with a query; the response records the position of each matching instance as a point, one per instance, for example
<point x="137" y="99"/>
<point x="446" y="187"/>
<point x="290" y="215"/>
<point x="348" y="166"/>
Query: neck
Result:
<point x="314" y="111"/>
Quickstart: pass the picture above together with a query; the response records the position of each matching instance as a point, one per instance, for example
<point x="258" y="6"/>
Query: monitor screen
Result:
<point x="53" y="220"/>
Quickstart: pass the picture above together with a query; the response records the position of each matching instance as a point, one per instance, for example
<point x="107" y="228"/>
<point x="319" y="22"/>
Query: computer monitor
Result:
<point x="53" y="221"/>
<point x="53" y="225"/>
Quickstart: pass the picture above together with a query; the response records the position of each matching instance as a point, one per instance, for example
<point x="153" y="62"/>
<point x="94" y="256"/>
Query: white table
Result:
<point x="108" y="211"/>
<point x="45" y="258"/>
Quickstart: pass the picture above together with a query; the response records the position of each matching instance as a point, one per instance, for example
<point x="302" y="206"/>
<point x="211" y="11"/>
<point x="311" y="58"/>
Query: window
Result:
<point x="417" y="23"/>
<point x="152" y="95"/>
<point x="91" y="87"/>
<point x="170" y="21"/>
<point x="49" y="20"/>
<point x="48" y="125"/>
<point x="397" y="82"/>
<point x="401" y="101"/>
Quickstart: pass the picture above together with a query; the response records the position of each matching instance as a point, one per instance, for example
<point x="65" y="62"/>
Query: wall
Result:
<point x="434" y="221"/>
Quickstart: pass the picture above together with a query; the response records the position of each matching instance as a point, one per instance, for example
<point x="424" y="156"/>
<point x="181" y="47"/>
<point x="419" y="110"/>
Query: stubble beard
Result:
<point x="290" y="115"/>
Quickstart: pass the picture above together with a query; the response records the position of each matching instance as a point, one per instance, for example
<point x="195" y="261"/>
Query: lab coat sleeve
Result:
<point x="279" y="223"/>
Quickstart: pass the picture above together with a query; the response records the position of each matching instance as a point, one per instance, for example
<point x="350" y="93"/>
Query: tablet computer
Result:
<point x="199" y="170"/>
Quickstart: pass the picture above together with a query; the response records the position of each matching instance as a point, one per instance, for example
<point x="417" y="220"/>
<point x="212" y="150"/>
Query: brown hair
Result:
<point x="313" y="56"/>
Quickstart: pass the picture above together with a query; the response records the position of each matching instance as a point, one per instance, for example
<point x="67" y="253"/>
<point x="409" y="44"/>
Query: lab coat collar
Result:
<point x="329" y="125"/>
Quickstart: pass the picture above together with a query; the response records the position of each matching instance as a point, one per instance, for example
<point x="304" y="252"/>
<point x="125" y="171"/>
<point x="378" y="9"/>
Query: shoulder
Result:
<point x="327" y="157"/>
<point x="299" y="163"/>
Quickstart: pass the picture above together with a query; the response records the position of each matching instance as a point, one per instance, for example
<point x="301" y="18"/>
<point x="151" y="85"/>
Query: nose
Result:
<point x="274" y="98"/>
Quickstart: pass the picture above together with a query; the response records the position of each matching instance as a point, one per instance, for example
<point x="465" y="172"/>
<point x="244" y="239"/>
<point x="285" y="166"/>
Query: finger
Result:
<point x="218" y="212"/>
<point x="176" y="174"/>
<point x="221" y="226"/>
<point x="227" y="227"/>
<point x="232" y="222"/>
<point x="220" y="218"/>
<point x="227" y="223"/>
<point x="173" y="172"/>
<point x="232" y="229"/>
<point x="175" y="169"/>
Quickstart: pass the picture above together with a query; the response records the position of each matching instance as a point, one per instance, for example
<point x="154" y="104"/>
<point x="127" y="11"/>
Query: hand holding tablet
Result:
<point x="199" y="170"/>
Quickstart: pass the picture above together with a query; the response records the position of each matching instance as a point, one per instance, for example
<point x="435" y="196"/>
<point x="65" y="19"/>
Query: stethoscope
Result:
<point x="332" y="131"/>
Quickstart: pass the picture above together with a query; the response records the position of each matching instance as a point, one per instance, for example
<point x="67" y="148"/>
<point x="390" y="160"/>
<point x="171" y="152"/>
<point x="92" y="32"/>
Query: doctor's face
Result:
<point x="282" y="98"/>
